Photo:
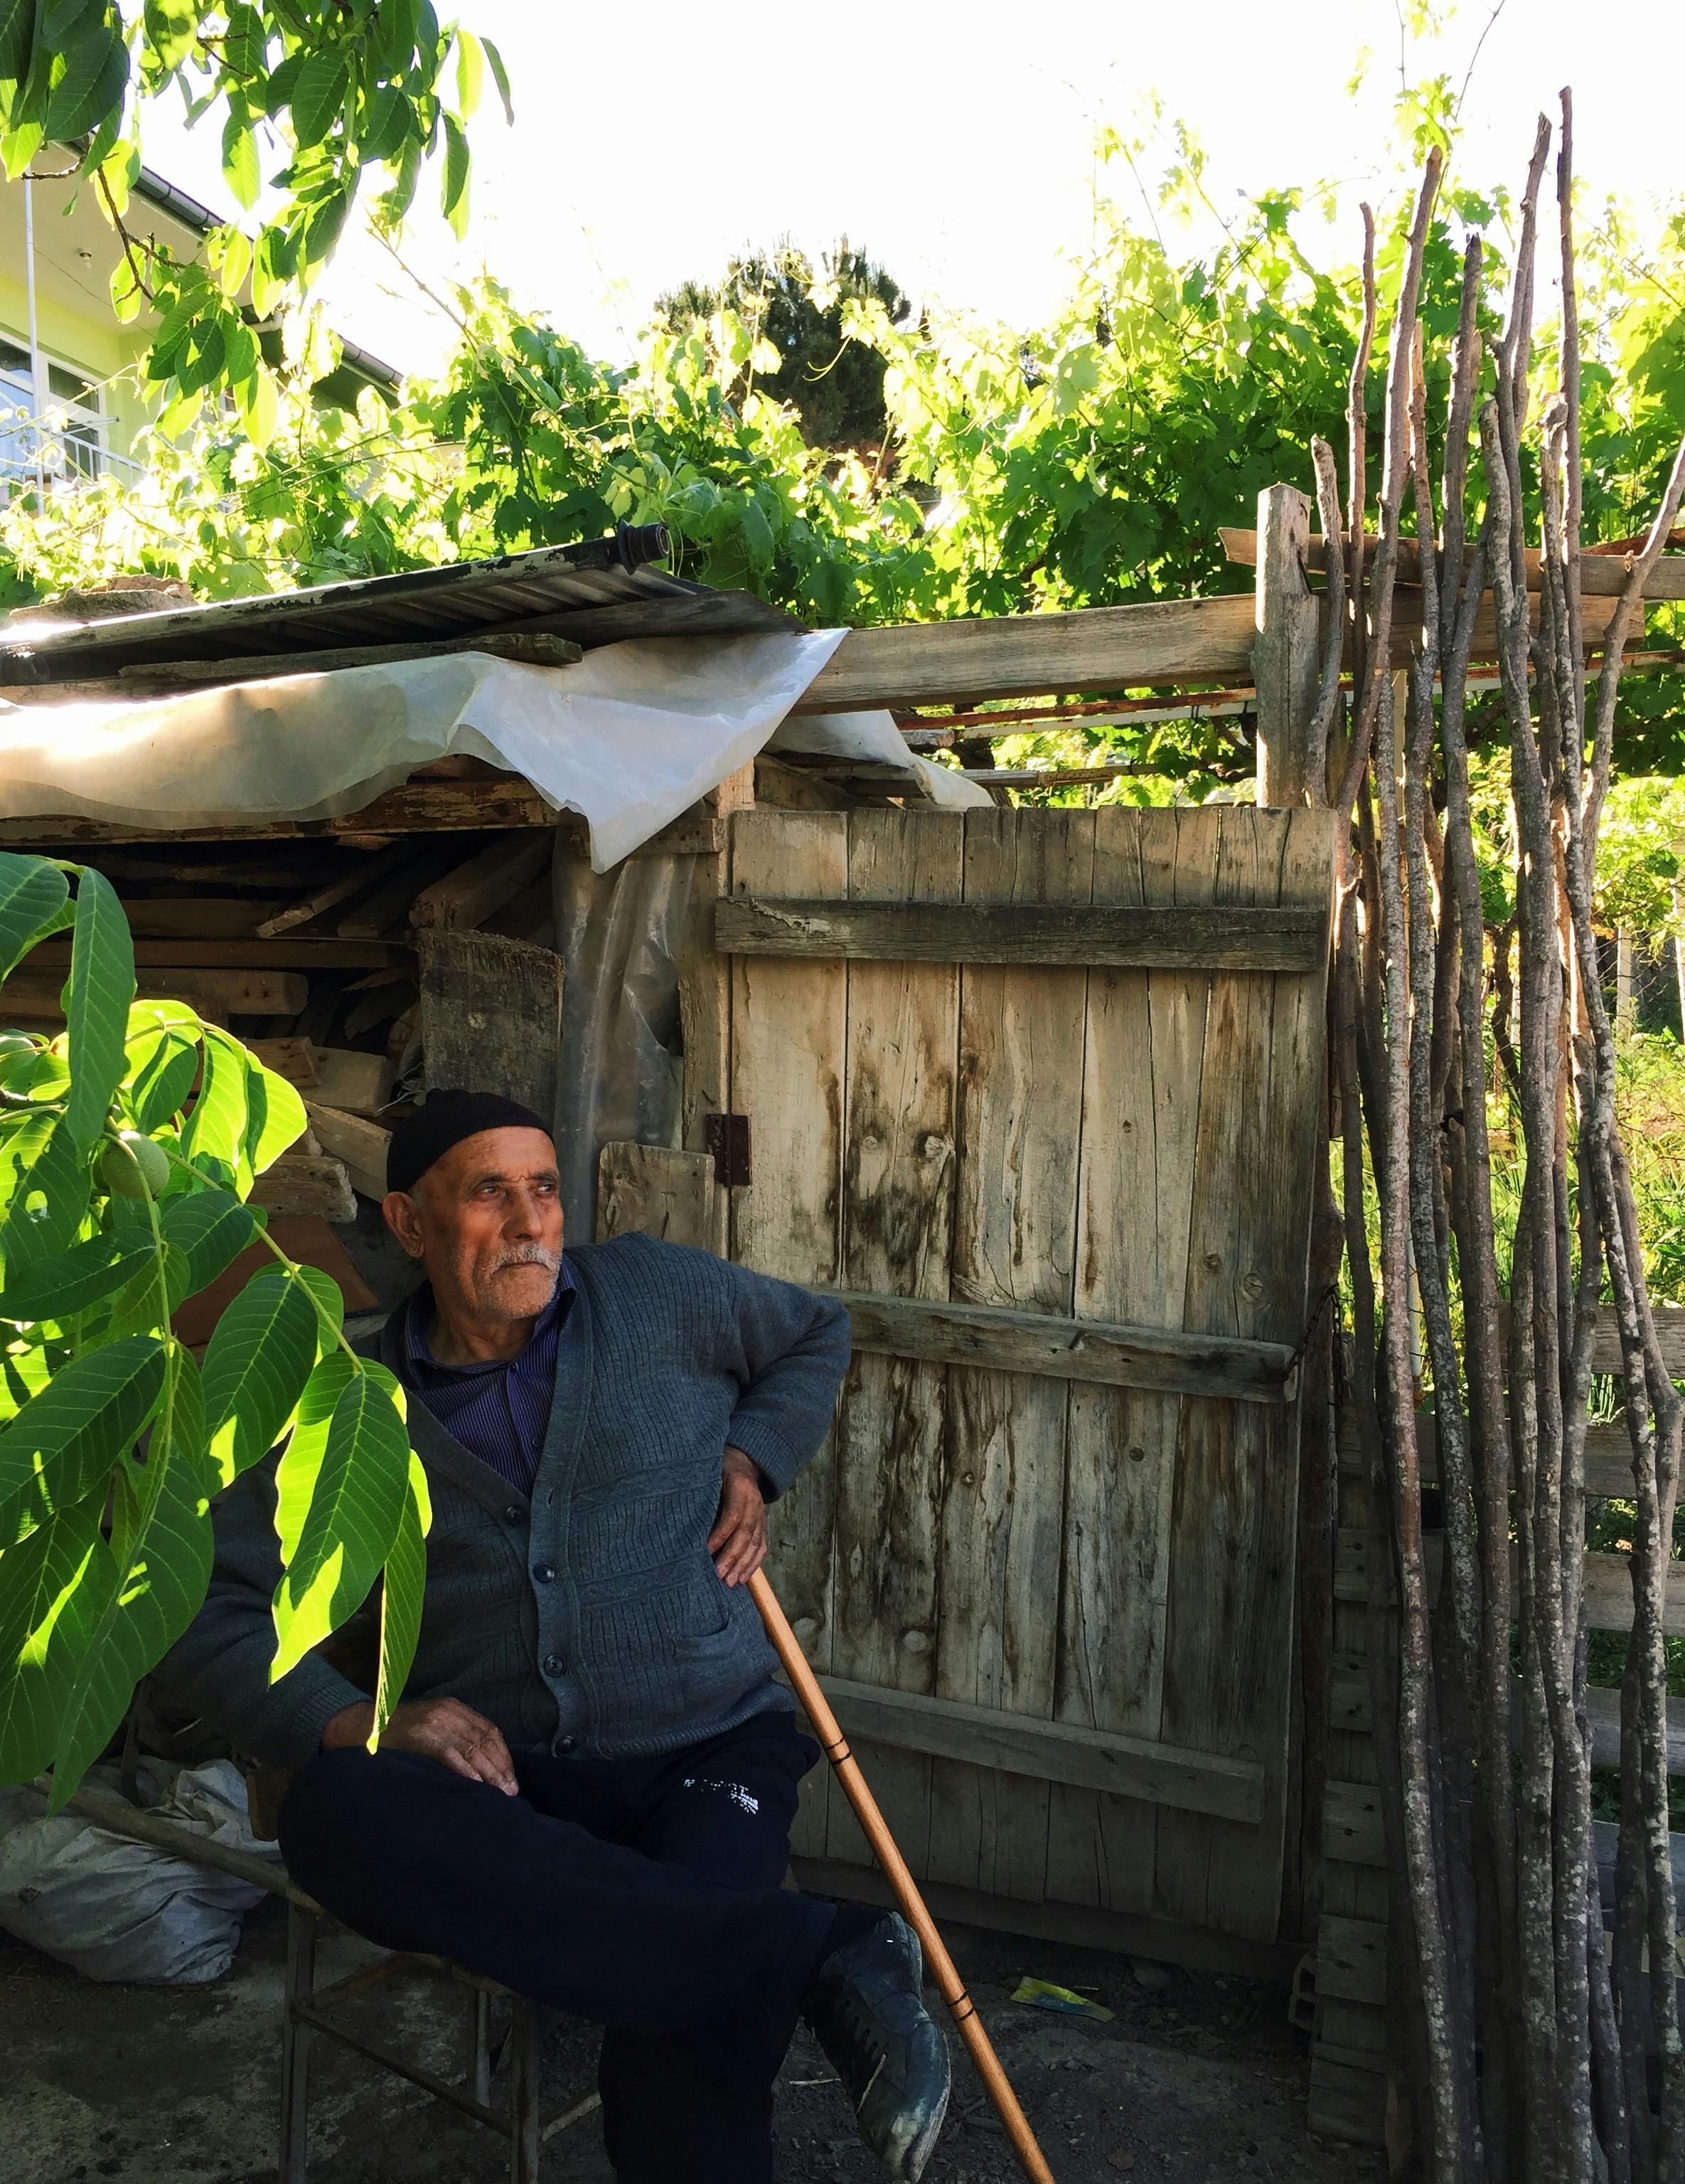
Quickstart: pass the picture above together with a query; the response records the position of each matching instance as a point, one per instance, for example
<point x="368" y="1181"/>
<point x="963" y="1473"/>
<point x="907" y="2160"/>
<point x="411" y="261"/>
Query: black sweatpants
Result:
<point x="642" y="1893"/>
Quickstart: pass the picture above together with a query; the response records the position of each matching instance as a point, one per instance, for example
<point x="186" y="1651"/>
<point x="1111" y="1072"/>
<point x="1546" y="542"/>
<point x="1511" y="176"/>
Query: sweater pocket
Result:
<point x="718" y="1667"/>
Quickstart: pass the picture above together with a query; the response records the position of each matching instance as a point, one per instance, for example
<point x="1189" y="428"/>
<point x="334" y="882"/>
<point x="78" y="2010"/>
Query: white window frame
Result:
<point x="67" y="439"/>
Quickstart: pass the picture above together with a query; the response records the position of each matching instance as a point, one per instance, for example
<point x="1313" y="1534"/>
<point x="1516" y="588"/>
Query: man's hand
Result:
<point x="737" y="1542"/>
<point x="444" y="1730"/>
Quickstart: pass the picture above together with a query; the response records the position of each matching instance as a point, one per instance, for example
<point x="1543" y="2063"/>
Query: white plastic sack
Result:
<point x="629" y="735"/>
<point x="116" y="1909"/>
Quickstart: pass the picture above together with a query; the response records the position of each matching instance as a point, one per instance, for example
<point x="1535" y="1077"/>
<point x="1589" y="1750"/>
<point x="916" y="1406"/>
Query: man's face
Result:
<point x="485" y="1222"/>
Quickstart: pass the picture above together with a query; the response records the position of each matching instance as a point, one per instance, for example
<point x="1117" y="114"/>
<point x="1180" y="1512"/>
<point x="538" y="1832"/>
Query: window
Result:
<point x="65" y="436"/>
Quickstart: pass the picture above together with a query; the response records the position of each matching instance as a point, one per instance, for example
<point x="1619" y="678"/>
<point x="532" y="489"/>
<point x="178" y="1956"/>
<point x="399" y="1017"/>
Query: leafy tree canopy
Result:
<point x="833" y="382"/>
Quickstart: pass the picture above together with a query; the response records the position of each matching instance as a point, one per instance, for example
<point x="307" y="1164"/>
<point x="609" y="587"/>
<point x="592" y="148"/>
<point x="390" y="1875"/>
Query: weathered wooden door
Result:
<point x="1040" y="1090"/>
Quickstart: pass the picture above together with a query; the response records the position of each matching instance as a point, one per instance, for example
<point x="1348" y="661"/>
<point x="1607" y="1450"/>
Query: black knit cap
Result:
<point x="443" y="1120"/>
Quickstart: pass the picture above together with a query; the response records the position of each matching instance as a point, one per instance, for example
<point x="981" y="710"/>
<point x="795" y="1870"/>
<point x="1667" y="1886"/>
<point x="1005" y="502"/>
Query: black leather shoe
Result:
<point x="867" y="2011"/>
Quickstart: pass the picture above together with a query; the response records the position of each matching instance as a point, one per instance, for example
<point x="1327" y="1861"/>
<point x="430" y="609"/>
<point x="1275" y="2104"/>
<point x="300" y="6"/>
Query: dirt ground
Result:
<point x="1198" y="2080"/>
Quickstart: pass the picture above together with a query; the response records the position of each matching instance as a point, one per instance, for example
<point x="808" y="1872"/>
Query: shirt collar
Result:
<point x="419" y="1357"/>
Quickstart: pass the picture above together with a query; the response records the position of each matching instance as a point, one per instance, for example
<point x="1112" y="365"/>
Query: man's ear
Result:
<point x="403" y="1217"/>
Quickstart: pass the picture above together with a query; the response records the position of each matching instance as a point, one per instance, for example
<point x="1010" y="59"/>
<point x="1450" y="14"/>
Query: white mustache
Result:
<point x="530" y="1254"/>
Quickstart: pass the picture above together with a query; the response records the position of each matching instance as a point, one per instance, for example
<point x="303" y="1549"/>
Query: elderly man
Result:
<point x="587" y="1790"/>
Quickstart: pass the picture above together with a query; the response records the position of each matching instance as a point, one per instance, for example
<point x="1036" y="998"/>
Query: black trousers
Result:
<point x="643" y="1894"/>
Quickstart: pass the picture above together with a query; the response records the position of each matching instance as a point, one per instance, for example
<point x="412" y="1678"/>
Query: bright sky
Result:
<point x="951" y="140"/>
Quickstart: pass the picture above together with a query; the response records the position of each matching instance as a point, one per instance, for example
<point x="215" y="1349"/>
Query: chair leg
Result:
<point x="295" y="2044"/>
<point x="524" y="2091"/>
<point x="480" y="2043"/>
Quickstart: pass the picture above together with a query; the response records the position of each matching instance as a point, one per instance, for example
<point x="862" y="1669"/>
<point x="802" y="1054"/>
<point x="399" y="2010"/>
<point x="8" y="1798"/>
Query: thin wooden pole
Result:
<point x="961" y="2007"/>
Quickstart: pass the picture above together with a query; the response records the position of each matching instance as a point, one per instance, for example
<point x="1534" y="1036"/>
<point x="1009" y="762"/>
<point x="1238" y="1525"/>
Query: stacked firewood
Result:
<point x="1539" y="2045"/>
<point x="308" y="950"/>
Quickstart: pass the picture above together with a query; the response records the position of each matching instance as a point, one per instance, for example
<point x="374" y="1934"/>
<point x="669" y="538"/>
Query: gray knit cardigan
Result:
<point x="591" y="1612"/>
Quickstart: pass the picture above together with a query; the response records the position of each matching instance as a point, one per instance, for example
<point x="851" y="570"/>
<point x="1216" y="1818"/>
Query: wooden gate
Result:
<point x="1039" y="1091"/>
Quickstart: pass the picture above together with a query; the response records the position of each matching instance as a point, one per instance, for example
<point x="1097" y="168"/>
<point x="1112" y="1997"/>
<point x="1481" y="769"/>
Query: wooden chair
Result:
<point x="307" y="2010"/>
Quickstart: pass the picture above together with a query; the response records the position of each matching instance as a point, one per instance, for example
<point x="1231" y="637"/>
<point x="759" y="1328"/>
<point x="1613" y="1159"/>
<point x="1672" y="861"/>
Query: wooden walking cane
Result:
<point x="962" y="2010"/>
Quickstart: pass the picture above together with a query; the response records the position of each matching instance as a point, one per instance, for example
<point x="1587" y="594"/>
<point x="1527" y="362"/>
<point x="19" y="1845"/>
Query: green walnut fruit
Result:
<point x="16" y="1041"/>
<point x="134" y="1168"/>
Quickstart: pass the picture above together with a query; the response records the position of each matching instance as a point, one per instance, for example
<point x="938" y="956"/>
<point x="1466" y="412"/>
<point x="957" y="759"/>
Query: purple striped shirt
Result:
<point x="499" y="1409"/>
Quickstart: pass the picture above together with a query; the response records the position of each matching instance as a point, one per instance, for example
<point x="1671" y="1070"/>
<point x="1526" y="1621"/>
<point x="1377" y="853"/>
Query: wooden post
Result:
<point x="1284" y="655"/>
<point x="706" y="996"/>
<point x="1626" y="1007"/>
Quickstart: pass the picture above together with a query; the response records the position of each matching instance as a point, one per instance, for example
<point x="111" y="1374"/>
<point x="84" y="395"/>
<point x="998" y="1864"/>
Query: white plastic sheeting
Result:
<point x="629" y="735"/>
<point x="875" y="736"/>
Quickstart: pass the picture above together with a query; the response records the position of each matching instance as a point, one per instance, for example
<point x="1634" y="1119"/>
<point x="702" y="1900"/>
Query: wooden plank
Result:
<point x="897" y="1229"/>
<point x="1286" y="656"/>
<point x="306" y="1183"/>
<point x="1352" y="1829"/>
<point x="196" y="918"/>
<point x="1023" y="655"/>
<point x="653" y="1191"/>
<point x="1020" y="1055"/>
<point x="537" y="649"/>
<point x="1609" y="1457"/>
<point x="233" y="992"/>
<point x="1608" y="1594"/>
<point x="1161" y="1941"/>
<point x="294" y="1059"/>
<point x="1194" y="938"/>
<point x="362" y="1145"/>
<point x="1121" y="1766"/>
<point x="491" y="1015"/>
<point x="1603" y="576"/>
<point x="414" y="807"/>
<point x="367" y="873"/>
<point x="789" y="1039"/>
<point x="1670" y="1321"/>
<point x="1351" y="1959"/>
<point x="343" y="1078"/>
<point x="1162" y="1358"/>
<point x="386" y="908"/>
<point x="1602" y="1712"/>
<point x="1230" y="1624"/>
<point x="469" y="896"/>
<point x="254" y="955"/>
<point x="1143" y="1048"/>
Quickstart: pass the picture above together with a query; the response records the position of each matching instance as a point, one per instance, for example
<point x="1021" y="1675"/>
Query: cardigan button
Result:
<point x="553" y="1664"/>
<point x="543" y="1573"/>
<point x="514" y="1513"/>
<point x="562" y="1746"/>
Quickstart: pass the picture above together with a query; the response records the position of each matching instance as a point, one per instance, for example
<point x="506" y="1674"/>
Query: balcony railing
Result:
<point x="62" y="449"/>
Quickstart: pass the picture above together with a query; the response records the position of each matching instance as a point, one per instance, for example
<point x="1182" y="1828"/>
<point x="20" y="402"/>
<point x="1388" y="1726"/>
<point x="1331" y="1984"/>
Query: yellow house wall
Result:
<point x="100" y="348"/>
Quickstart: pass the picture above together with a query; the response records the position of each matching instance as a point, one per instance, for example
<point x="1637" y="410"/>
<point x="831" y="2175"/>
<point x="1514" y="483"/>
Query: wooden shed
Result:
<point x="1040" y="1092"/>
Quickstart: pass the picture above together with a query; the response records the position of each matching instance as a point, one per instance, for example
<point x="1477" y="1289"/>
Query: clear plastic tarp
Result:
<point x="629" y="735"/>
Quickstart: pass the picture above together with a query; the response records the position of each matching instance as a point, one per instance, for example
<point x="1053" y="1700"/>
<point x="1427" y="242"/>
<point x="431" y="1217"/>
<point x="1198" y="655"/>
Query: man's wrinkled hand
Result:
<point x="444" y="1730"/>
<point x="737" y="1542"/>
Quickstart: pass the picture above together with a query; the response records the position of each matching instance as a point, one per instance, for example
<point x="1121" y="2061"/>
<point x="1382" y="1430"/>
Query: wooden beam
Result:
<point x="294" y="1059"/>
<point x="197" y="917"/>
<point x="306" y="1183"/>
<point x="531" y="649"/>
<point x="1050" y="1751"/>
<point x="491" y="1015"/>
<point x="1086" y="1925"/>
<point x="415" y="807"/>
<point x="1608" y="1589"/>
<point x="236" y="993"/>
<point x="1023" y="655"/>
<point x="1012" y="1341"/>
<point x="1287" y="656"/>
<point x="1609" y="1462"/>
<point x="362" y="1145"/>
<point x="1602" y="576"/>
<point x="1196" y="938"/>
<point x="470" y="894"/>
<point x="303" y="953"/>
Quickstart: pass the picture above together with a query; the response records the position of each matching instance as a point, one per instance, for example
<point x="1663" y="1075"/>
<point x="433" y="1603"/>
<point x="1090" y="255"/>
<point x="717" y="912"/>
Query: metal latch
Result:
<point x="727" y="1138"/>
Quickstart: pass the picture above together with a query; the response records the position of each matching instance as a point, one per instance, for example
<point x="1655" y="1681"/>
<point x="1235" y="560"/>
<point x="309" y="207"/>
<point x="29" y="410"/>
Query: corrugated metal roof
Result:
<point x="595" y="591"/>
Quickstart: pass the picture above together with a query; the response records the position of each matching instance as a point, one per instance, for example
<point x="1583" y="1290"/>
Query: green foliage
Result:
<point x="834" y="383"/>
<point x="313" y="97"/>
<point x="128" y="1145"/>
<point x="1089" y="460"/>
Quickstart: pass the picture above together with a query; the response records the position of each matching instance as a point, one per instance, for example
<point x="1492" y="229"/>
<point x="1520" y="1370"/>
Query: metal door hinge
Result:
<point x="727" y="1138"/>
